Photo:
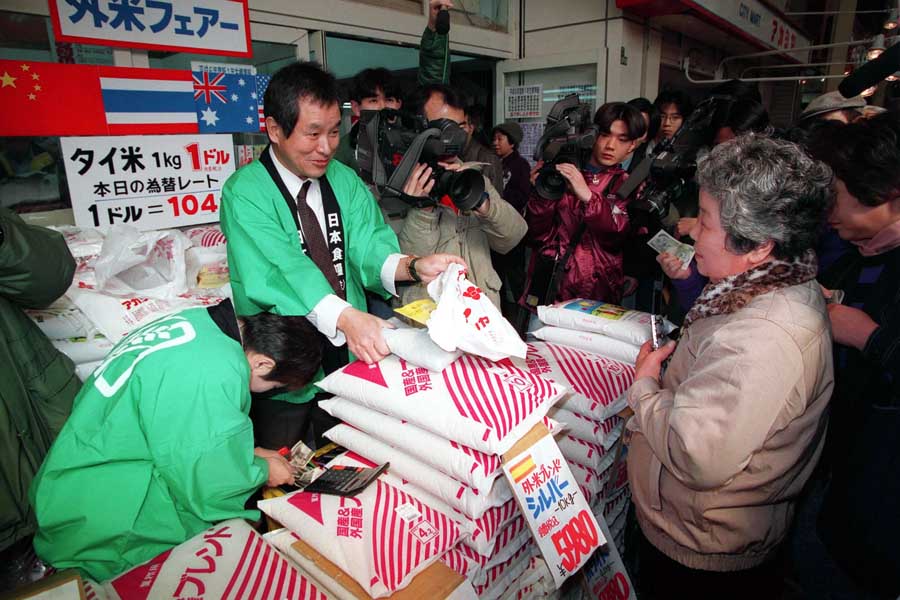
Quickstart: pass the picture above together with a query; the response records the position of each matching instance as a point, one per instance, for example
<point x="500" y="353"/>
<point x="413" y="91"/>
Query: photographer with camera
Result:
<point x="469" y="231"/>
<point x="370" y="89"/>
<point x="579" y="235"/>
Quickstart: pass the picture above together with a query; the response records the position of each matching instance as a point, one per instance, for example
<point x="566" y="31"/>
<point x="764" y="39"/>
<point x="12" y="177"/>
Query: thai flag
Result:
<point x="154" y="101"/>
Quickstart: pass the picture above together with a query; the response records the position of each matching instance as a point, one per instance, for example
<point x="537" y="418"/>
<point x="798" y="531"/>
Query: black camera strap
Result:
<point x="394" y="186"/>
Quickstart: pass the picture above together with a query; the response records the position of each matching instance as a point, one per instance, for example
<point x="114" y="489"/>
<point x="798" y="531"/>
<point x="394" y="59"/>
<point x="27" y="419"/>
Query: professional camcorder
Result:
<point x="392" y="143"/>
<point x="569" y="137"/>
<point x="670" y="170"/>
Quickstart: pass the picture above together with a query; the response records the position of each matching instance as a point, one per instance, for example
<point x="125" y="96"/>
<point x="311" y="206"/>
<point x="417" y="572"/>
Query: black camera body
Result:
<point x="669" y="172"/>
<point x="390" y="145"/>
<point x="569" y="137"/>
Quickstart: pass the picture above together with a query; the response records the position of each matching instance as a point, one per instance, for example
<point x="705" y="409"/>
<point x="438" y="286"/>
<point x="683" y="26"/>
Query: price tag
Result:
<point x="148" y="182"/>
<point x="556" y="511"/>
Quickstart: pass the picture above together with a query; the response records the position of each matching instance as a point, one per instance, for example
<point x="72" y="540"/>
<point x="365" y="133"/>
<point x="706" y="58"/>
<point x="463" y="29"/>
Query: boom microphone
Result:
<point x="871" y="73"/>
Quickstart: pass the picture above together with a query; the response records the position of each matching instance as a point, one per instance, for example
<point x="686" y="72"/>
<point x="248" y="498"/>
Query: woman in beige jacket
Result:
<point x="723" y="441"/>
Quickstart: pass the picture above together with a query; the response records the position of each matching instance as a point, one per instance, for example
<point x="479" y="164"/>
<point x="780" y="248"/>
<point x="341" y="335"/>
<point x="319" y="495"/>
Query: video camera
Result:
<point x="569" y="137"/>
<point x="390" y="145"/>
<point x="669" y="171"/>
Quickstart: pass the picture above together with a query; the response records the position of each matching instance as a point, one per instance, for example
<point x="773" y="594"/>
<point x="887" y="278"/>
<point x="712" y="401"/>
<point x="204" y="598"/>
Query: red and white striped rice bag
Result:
<point x="601" y="433"/>
<point x="597" y="458"/>
<point x="476" y="469"/>
<point x="453" y="492"/>
<point x="596" y="384"/>
<point x="586" y="478"/>
<point x="495" y="580"/>
<point x="472" y="565"/>
<point x="228" y="561"/>
<point x="481" y="404"/>
<point x="479" y="534"/>
<point x="615" y="507"/>
<point x="381" y="537"/>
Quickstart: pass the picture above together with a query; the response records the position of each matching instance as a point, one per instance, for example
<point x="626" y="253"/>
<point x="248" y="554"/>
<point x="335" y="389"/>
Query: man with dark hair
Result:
<point x="370" y="89"/>
<point x="588" y="224"/>
<point x="440" y="101"/>
<point x="306" y="238"/>
<point x="674" y="107"/>
<point x="160" y="446"/>
<point x="652" y="119"/>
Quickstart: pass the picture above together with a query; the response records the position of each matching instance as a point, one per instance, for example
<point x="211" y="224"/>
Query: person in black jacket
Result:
<point x="859" y="522"/>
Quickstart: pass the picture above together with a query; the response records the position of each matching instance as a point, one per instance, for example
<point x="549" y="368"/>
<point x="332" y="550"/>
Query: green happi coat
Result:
<point x="158" y="447"/>
<point x="270" y="272"/>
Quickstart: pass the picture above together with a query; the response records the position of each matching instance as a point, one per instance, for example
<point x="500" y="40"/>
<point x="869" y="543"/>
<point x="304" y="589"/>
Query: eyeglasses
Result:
<point x="670" y="118"/>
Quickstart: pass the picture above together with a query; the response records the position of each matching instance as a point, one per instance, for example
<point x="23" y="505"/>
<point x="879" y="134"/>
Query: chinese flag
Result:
<point x="42" y="98"/>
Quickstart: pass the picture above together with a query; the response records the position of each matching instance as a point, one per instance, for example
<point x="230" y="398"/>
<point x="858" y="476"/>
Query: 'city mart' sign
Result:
<point x="758" y="21"/>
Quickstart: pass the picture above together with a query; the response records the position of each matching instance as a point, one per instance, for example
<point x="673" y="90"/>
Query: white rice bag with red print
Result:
<point x="590" y="342"/>
<point x="586" y="478"/>
<point x="453" y="492"/>
<point x="465" y="319"/>
<point x="116" y="317"/>
<point x="631" y="326"/>
<point x="479" y="534"/>
<point x="596" y="384"/>
<point x="584" y="453"/>
<point x="207" y="260"/>
<point x="381" y="537"/>
<point x="481" y="404"/>
<point x="228" y="561"/>
<point x="472" y="565"/>
<point x="476" y="469"/>
<point x="601" y="433"/>
<point x="495" y="580"/>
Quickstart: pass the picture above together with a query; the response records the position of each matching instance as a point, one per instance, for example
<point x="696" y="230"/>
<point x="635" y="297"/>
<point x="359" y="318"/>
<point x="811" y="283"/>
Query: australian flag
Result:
<point x="226" y="102"/>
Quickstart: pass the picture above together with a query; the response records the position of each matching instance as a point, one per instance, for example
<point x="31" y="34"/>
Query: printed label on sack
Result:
<point x="408" y="513"/>
<point x="557" y="512"/>
<point x="424" y="531"/>
<point x="598" y="309"/>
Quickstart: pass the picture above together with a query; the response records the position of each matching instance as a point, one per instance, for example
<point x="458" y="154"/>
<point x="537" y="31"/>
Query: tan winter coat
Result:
<point x="720" y="451"/>
<point x="470" y="236"/>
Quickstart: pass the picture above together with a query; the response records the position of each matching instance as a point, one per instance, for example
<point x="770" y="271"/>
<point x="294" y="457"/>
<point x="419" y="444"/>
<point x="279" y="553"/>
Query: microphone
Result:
<point x="442" y="24"/>
<point x="871" y="73"/>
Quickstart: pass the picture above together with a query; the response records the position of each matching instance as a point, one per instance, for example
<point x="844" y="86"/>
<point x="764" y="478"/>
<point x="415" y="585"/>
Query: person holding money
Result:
<point x="723" y="442"/>
<point x="159" y="445"/>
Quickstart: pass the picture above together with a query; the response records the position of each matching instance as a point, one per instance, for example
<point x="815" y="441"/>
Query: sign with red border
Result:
<point x="218" y="27"/>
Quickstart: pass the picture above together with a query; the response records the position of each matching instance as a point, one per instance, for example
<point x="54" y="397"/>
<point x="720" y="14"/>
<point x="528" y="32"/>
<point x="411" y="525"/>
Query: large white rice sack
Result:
<point x="481" y="404"/>
<point x="596" y="384"/>
<point x="453" y="492"/>
<point x="476" y="469"/>
<point x="597" y="343"/>
<point x="631" y="326"/>
<point x="381" y="537"/>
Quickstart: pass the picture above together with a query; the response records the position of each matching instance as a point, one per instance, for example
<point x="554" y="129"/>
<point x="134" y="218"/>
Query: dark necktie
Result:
<point x="315" y="241"/>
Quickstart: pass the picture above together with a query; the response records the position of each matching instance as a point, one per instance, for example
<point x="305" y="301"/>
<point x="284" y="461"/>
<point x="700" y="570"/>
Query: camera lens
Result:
<point x="465" y="188"/>
<point x="550" y="183"/>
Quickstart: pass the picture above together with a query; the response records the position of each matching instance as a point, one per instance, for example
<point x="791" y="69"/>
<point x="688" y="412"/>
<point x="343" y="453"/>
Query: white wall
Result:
<point x="591" y="26"/>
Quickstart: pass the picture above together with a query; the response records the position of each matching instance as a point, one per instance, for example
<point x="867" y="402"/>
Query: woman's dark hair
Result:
<point x="865" y="155"/>
<point x="745" y="115"/>
<point x="737" y="89"/>
<point x="297" y="81"/>
<point x="678" y="98"/>
<point x="645" y="106"/>
<point x="291" y="342"/>
<point x="610" y="112"/>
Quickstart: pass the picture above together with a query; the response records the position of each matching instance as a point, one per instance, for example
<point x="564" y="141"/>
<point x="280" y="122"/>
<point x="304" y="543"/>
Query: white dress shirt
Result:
<point x="324" y="315"/>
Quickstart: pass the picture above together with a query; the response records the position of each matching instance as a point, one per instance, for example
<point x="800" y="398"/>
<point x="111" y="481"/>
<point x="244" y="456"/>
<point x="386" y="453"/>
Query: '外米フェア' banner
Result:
<point x="219" y="27"/>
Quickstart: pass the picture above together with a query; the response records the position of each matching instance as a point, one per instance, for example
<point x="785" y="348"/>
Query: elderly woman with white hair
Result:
<point x="723" y="441"/>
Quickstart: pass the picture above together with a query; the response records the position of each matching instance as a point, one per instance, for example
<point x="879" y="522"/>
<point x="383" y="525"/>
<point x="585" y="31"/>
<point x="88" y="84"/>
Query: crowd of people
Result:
<point x="761" y="443"/>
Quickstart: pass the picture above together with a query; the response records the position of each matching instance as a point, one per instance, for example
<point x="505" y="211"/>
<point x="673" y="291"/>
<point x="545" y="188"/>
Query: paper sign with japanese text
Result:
<point x="604" y="574"/>
<point x="558" y="514"/>
<point x="149" y="181"/>
<point x="220" y="27"/>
